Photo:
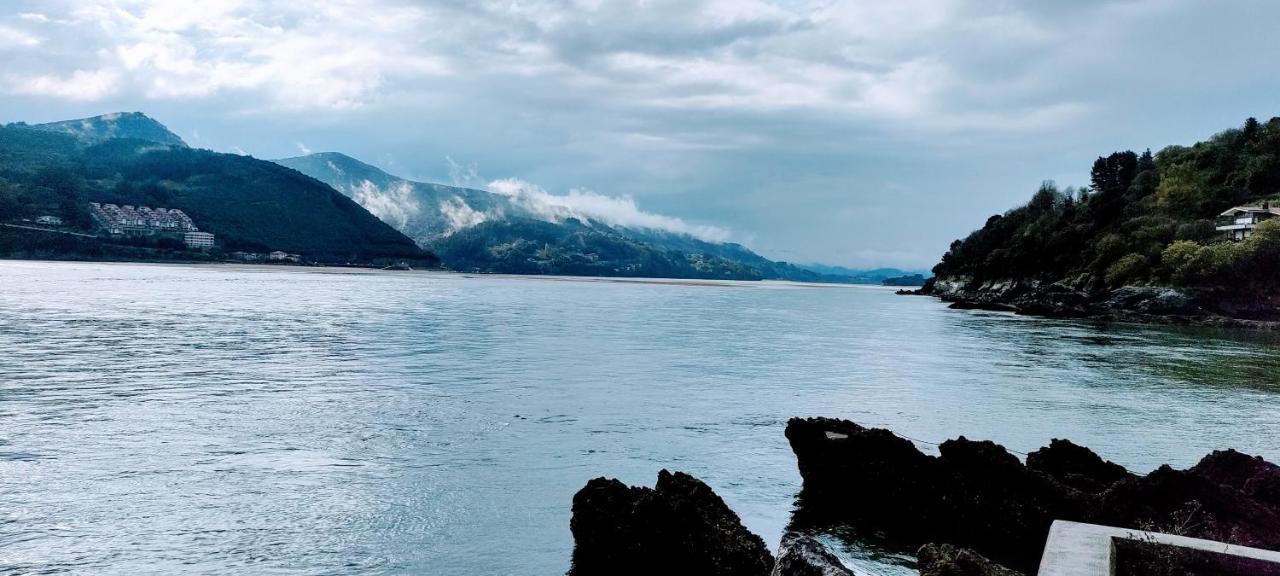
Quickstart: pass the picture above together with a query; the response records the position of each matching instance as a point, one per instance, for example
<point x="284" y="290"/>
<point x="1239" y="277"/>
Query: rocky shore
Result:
<point x="1155" y="304"/>
<point x="975" y="509"/>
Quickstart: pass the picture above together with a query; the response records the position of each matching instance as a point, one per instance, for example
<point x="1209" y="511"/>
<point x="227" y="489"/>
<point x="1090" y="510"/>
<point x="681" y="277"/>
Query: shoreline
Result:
<point x="1091" y="313"/>
<point x="360" y="269"/>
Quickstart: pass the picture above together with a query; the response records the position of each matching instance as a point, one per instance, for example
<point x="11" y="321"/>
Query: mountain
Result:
<point x="249" y="204"/>
<point x="861" y="276"/>
<point x="476" y="230"/>
<point x="98" y="129"/>
<point x="1141" y="238"/>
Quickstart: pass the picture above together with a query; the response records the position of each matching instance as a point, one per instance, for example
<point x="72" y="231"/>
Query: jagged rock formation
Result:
<point x="803" y="556"/>
<point x="678" y="527"/>
<point x="977" y="495"/>
<point x="948" y="560"/>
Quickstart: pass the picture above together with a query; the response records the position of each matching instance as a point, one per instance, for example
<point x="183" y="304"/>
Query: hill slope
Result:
<point x="97" y="129"/>
<point x="1140" y="238"/>
<point x="476" y="230"/>
<point x="249" y="204"/>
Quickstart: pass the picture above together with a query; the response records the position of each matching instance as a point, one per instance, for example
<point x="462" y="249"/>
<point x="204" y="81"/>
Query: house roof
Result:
<point x="1275" y="211"/>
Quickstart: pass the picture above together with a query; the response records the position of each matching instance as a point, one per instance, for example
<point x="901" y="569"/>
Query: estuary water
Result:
<point x="267" y="420"/>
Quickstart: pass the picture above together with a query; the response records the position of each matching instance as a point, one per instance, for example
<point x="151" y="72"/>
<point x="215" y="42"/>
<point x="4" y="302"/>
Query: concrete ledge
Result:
<point x="1075" y="549"/>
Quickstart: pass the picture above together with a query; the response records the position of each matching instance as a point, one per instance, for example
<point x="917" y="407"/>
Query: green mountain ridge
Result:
<point x="249" y="204"/>
<point x="481" y="231"/>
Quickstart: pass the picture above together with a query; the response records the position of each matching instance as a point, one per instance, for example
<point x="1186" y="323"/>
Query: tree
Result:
<point x="1251" y="130"/>
<point x="1113" y="174"/>
<point x="1146" y="161"/>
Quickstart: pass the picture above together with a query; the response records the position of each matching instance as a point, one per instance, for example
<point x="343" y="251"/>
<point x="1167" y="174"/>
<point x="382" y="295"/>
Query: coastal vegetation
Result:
<point x="1145" y="220"/>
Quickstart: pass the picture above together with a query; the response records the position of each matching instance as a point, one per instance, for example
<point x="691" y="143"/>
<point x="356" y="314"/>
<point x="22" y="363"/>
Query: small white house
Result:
<point x="50" y="220"/>
<point x="1238" y="223"/>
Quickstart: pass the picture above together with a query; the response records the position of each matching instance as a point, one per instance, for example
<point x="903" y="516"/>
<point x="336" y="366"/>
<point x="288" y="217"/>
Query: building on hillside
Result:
<point x="49" y="220"/>
<point x="1238" y="223"/>
<point x="129" y="220"/>
<point x="198" y="240"/>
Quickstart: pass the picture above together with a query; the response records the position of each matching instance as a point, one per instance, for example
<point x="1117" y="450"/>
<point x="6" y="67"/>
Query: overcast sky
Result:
<point x="859" y="133"/>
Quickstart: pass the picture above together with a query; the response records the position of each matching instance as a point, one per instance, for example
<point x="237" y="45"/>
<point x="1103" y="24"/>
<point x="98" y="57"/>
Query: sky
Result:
<point x="857" y="133"/>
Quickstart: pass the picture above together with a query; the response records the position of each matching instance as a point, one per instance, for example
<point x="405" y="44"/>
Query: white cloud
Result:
<point x="394" y="204"/>
<point x="11" y="38"/>
<point x="855" y="60"/>
<point x="302" y="148"/>
<point x="301" y="56"/>
<point x="461" y="216"/>
<point x="586" y="206"/>
<point x="83" y="85"/>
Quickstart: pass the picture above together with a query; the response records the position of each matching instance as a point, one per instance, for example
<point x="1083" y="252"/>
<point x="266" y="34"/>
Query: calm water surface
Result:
<point x="206" y="420"/>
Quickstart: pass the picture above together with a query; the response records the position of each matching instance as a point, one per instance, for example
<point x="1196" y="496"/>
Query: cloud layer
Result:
<point x="823" y="129"/>
<point x="586" y="206"/>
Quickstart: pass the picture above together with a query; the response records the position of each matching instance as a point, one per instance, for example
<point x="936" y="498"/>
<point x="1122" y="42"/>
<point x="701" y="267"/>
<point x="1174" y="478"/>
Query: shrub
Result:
<point x="1127" y="267"/>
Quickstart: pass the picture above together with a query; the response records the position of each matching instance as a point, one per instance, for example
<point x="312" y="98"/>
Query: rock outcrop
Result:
<point x="803" y="556"/>
<point x="948" y="560"/>
<point x="678" y="527"/>
<point x="977" y="495"/>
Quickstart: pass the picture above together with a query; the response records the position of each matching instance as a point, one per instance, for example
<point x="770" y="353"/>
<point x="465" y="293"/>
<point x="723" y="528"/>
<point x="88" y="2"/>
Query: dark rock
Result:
<point x="1150" y="300"/>
<point x="1185" y="502"/>
<point x="1251" y="474"/>
<point x="948" y="560"/>
<point x="977" y="495"/>
<point x="1076" y="466"/>
<point x="804" y="556"/>
<point x="679" y="526"/>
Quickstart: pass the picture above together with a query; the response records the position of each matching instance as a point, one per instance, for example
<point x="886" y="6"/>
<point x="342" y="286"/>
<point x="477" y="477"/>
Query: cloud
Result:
<point x="394" y="204"/>
<point x="769" y="116"/>
<point x="13" y="38"/>
<point x="81" y="85"/>
<point x="587" y="206"/>
<point x="302" y="148"/>
<point x="850" y="59"/>
<point x="461" y="216"/>
<point x="298" y="55"/>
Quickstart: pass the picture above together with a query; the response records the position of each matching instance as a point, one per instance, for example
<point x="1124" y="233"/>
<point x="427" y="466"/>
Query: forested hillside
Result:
<point x="248" y="203"/>
<point x="1144" y="220"/>
<point x="481" y="231"/>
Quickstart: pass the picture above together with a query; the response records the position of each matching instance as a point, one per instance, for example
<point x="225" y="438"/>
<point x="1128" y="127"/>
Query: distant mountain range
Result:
<point x="860" y="276"/>
<point x="482" y="231"/>
<point x="332" y="208"/>
<point x="57" y="169"/>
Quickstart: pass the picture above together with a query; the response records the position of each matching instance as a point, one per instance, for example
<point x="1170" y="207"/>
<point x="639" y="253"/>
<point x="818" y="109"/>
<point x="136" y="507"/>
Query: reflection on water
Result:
<point x="164" y="419"/>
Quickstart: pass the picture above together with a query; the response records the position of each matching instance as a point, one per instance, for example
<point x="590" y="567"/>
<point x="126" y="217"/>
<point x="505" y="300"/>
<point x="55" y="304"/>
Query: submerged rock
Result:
<point x="805" y="556"/>
<point x="678" y="527"/>
<point x="948" y="560"/>
<point x="977" y="495"/>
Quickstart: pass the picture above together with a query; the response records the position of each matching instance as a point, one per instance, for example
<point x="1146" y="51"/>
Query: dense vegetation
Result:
<point x="1145" y="219"/>
<point x="530" y="246"/>
<point x="249" y="204"/>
